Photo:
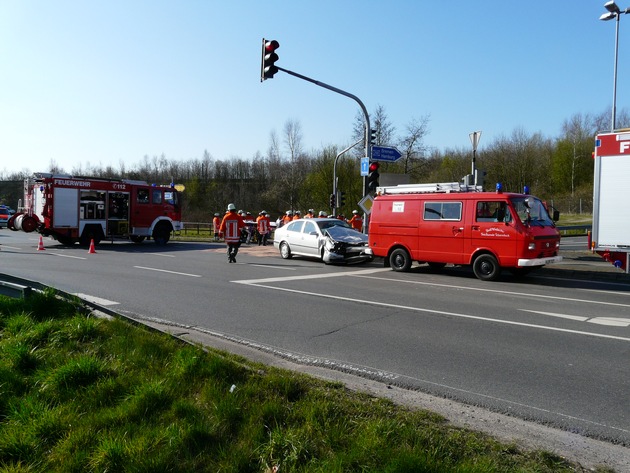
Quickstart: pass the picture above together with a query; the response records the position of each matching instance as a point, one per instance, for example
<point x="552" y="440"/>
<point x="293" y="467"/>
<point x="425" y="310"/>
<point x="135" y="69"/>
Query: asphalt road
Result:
<point x="545" y="348"/>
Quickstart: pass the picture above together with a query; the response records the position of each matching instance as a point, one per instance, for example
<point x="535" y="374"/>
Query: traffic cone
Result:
<point x="92" y="250"/>
<point x="40" y="246"/>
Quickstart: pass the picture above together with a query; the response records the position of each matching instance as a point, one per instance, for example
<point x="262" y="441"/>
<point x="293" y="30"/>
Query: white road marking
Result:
<point x="501" y="291"/>
<point x="162" y="254"/>
<point x="271" y="266"/>
<point x="96" y="300"/>
<point x="608" y="321"/>
<point x="10" y="247"/>
<point x="167" y="271"/>
<point x="261" y="283"/>
<point x="310" y="276"/>
<point x="67" y="256"/>
<point x="579" y="318"/>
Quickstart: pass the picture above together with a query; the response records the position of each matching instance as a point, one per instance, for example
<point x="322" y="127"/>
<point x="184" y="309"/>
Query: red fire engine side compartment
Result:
<point x="486" y="230"/>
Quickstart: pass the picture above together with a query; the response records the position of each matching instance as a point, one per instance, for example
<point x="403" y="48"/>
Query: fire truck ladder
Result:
<point x="445" y="187"/>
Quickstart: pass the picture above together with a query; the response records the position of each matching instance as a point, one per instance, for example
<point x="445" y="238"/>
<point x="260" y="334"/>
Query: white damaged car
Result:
<point x="328" y="239"/>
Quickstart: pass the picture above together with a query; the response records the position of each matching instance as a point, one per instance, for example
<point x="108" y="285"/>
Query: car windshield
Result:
<point x="345" y="233"/>
<point x="531" y="211"/>
<point x="332" y="223"/>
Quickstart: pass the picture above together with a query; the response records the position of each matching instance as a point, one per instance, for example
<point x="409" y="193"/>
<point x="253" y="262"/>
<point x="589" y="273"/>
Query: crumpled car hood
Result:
<point x="346" y="235"/>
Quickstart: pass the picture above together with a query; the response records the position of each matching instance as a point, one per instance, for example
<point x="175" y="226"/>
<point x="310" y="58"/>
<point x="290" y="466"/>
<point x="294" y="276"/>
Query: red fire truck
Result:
<point x="83" y="209"/>
<point x="453" y="223"/>
<point x="610" y="237"/>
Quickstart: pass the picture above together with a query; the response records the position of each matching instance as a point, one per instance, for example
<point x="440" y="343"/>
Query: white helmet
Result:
<point x="231" y="207"/>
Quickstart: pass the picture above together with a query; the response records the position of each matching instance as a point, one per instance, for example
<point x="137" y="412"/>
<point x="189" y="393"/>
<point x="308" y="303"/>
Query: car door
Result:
<point x="311" y="238"/>
<point x="294" y="236"/>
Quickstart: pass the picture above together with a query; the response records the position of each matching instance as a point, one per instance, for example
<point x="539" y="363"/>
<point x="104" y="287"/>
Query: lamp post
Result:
<point x="475" y="136"/>
<point x="614" y="12"/>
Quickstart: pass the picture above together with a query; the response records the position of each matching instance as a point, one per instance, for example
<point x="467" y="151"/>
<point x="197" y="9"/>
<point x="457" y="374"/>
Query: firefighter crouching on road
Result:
<point x="230" y="229"/>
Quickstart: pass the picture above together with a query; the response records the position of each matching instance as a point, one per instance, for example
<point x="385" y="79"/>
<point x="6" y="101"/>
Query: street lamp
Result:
<point x="614" y="12"/>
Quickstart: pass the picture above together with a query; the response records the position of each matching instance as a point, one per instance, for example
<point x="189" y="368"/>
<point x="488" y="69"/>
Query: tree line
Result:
<point x="287" y="177"/>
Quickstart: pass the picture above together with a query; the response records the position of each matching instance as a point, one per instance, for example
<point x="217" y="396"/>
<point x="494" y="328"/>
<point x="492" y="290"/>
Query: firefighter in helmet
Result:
<point x="231" y="227"/>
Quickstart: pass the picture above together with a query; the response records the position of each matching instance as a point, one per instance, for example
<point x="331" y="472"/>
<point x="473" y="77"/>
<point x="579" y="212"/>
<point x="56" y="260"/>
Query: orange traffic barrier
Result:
<point x="92" y="249"/>
<point x="40" y="246"/>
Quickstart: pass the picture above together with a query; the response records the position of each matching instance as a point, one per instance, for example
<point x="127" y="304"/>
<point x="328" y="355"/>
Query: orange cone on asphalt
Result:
<point x="92" y="249"/>
<point x="40" y="246"/>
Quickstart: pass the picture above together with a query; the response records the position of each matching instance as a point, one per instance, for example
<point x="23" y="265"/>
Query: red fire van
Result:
<point x="451" y="223"/>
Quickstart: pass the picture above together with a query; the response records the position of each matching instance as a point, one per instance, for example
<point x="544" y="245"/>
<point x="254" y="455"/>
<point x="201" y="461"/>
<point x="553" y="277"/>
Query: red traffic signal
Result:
<point x="268" y="61"/>
<point x="372" y="180"/>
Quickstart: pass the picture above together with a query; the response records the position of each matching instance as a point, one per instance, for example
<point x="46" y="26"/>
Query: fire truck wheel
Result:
<point x="400" y="260"/>
<point x="161" y="235"/>
<point x="11" y="223"/>
<point x="486" y="267"/>
<point x="29" y="224"/>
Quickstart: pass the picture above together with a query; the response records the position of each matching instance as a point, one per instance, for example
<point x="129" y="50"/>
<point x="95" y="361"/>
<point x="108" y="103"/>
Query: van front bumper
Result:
<point x="538" y="261"/>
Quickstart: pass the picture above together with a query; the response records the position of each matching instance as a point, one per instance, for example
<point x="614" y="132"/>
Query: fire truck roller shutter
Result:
<point x="162" y="232"/>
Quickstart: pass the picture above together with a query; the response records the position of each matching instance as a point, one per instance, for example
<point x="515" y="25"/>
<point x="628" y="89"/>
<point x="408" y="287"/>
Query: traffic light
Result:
<point x="268" y="66"/>
<point x="373" y="136"/>
<point x="372" y="180"/>
<point x="332" y="201"/>
<point x="342" y="199"/>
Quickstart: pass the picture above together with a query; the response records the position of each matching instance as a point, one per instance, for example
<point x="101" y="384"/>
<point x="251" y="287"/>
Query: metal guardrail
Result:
<point x="16" y="291"/>
<point x="574" y="229"/>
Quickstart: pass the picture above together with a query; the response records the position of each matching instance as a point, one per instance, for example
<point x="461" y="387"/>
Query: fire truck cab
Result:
<point x="84" y="209"/>
<point x="452" y="223"/>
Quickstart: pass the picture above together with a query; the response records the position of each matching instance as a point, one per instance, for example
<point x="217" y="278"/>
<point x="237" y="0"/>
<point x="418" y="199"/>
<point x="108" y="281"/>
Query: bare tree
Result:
<point x="412" y="144"/>
<point x="380" y="122"/>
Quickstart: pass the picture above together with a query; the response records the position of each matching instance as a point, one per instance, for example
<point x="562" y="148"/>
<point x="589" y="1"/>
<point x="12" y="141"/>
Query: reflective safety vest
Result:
<point x="231" y="227"/>
<point x="263" y="224"/>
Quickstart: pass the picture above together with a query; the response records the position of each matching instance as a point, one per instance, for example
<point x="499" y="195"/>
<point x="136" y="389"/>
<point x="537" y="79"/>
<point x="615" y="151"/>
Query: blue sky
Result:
<point x="86" y="83"/>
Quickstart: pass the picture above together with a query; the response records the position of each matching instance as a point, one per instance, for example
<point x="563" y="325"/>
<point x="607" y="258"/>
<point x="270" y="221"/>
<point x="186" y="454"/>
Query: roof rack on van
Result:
<point x="445" y="187"/>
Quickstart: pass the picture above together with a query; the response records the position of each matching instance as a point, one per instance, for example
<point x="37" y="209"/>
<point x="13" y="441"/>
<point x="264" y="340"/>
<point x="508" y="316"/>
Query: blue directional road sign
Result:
<point x="385" y="153"/>
<point x="365" y="166"/>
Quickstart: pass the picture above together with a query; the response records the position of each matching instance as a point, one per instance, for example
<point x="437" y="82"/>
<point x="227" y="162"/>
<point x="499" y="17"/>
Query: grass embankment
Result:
<point x="79" y="393"/>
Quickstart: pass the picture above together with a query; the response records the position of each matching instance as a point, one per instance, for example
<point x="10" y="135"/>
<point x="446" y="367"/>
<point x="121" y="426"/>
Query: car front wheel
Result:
<point x="285" y="251"/>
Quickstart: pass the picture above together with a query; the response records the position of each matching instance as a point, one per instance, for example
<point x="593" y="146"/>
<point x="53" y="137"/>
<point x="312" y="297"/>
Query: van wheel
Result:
<point x="486" y="267"/>
<point x="400" y="260"/>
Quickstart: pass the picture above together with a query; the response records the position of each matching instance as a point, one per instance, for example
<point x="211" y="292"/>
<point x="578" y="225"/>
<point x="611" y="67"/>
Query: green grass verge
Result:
<point x="80" y="394"/>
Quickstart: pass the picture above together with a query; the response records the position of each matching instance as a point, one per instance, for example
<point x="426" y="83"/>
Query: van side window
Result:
<point x="493" y="211"/>
<point x="442" y="210"/>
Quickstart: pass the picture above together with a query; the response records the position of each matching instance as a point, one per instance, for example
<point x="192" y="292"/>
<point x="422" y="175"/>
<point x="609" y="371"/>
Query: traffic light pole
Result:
<point x="335" y="189"/>
<point x="368" y="148"/>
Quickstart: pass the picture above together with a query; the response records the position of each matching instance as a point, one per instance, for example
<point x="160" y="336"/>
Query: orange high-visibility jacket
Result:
<point x="263" y="224"/>
<point x="231" y="227"/>
<point x="356" y="222"/>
